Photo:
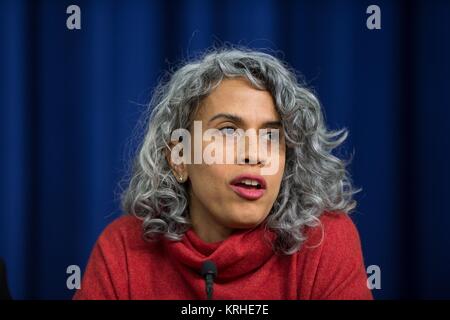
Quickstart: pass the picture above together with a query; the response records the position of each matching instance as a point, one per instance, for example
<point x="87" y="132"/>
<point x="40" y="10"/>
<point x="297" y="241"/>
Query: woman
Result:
<point x="282" y="234"/>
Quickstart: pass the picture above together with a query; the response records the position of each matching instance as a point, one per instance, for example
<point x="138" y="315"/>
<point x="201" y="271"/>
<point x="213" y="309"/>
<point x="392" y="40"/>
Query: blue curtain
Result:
<point x="70" y="100"/>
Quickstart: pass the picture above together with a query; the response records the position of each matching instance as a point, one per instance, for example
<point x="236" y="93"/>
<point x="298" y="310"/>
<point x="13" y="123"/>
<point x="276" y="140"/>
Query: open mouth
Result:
<point x="249" y="184"/>
<point x="249" y="187"/>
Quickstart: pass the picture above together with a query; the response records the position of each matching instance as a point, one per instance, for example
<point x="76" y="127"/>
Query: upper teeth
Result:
<point x="249" y="182"/>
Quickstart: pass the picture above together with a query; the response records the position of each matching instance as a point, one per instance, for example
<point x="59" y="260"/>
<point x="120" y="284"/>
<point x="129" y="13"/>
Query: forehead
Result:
<point x="238" y="96"/>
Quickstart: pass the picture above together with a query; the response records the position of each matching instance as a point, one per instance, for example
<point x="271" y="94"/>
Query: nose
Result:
<point x="247" y="161"/>
<point x="251" y="150"/>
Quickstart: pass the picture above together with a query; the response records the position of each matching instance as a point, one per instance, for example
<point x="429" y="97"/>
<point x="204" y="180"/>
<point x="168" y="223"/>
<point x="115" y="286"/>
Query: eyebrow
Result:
<point x="239" y="120"/>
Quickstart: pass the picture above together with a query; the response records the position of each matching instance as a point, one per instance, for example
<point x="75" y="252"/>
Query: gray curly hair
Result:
<point x="314" y="180"/>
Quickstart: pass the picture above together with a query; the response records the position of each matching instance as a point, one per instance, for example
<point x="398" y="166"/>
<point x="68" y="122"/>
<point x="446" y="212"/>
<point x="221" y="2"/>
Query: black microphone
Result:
<point x="209" y="272"/>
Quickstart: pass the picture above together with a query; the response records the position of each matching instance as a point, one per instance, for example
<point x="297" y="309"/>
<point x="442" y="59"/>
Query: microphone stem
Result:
<point x="209" y="287"/>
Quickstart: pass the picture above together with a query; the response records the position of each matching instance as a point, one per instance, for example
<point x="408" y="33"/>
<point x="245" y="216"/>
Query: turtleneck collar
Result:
<point x="242" y="252"/>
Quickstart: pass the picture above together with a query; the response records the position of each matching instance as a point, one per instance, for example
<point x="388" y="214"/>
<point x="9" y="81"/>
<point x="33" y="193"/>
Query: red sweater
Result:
<point x="124" y="266"/>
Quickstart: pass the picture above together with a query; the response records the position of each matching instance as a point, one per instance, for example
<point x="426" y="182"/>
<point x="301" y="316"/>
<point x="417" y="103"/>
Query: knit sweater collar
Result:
<point x="244" y="251"/>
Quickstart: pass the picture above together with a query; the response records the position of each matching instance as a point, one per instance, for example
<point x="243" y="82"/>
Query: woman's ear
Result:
<point x="174" y="157"/>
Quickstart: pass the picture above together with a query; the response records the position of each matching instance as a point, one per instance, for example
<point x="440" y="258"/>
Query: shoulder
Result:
<point x="107" y="272"/>
<point x="334" y="256"/>
<point x="125" y="231"/>
<point x="335" y="229"/>
<point x="123" y="224"/>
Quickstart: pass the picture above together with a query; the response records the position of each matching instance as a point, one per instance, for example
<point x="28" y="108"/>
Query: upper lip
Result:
<point x="247" y="176"/>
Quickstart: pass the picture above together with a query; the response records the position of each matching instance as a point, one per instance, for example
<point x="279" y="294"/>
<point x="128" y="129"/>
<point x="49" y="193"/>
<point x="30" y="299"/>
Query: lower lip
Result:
<point x="249" y="194"/>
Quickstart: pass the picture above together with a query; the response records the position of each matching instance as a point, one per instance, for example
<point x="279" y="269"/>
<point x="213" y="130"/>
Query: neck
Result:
<point x="209" y="232"/>
<point x="206" y="227"/>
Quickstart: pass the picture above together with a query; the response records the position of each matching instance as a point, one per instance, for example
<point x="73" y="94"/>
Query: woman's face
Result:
<point x="221" y="198"/>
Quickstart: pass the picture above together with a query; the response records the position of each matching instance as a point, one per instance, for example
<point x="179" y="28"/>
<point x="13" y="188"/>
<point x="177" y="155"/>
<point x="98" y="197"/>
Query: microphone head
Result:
<point x="209" y="267"/>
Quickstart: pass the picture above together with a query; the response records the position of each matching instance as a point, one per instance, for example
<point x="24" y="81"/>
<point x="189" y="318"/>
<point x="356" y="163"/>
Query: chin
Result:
<point x="248" y="223"/>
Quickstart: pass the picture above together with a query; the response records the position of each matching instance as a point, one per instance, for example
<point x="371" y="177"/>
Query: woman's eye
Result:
<point x="270" y="135"/>
<point x="228" y="130"/>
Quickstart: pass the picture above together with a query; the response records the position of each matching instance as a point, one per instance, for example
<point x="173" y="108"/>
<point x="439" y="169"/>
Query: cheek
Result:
<point x="276" y="179"/>
<point x="281" y="159"/>
<point x="206" y="180"/>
